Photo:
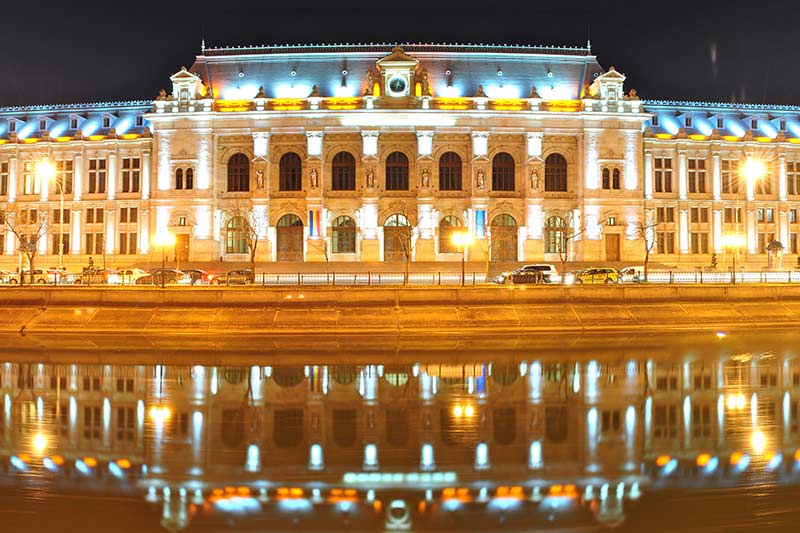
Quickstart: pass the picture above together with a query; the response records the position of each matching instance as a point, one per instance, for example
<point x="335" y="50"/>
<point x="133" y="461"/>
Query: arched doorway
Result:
<point x="396" y="238"/>
<point x="504" y="238"/>
<point x="289" y="238"/>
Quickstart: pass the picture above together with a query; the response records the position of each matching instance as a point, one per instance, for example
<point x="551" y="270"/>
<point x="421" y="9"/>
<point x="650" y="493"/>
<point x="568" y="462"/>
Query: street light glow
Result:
<point x="733" y="240"/>
<point x="39" y="442"/>
<point x="46" y="170"/>
<point x="164" y="239"/>
<point x="753" y="169"/>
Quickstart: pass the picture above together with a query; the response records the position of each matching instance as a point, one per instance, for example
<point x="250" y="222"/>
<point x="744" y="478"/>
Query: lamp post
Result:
<point x="752" y="170"/>
<point x="46" y="173"/>
<point x="164" y="239"/>
<point x="734" y="241"/>
<point x="463" y="239"/>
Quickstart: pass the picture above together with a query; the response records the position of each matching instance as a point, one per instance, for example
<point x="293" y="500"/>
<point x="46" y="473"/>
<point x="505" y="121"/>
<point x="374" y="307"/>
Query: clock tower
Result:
<point x="397" y="71"/>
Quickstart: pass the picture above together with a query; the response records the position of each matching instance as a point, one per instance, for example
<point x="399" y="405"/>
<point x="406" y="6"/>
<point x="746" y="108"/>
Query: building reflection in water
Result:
<point x="513" y="444"/>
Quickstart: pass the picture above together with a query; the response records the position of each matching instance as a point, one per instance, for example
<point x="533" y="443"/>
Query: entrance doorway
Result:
<point x="396" y="238"/>
<point x="612" y="247"/>
<point x="504" y="238"/>
<point x="289" y="237"/>
<point x="181" y="248"/>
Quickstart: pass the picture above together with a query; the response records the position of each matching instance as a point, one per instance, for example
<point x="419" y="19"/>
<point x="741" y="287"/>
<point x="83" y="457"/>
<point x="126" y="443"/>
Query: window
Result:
<point x="665" y="215"/>
<point x="128" y="215"/>
<point x="733" y="215"/>
<point x="699" y="243"/>
<point x="235" y="236"/>
<point x="782" y="125"/>
<point x="793" y="177"/>
<point x="238" y="173"/>
<point x="181" y="221"/>
<point x="60" y="217"/>
<point x="665" y="242"/>
<point x="127" y="243"/>
<point x="139" y="121"/>
<point x="606" y="178"/>
<point x="397" y="172"/>
<point x="97" y="176"/>
<point x="764" y="185"/>
<point x="126" y="425"/>
<point x="754" y="124"/>
<point x="555" y="173"/>
<point x="94" y="243"/>
<point x="64" y="169"/>
<point x="610" y="423"/>
<point x="699" y="215"/>
<point x="611" y="178"/>
<point x="720" y="123"/>
<point x="4" y="178"/>
<point x="179" y="178"/>
<point x="92" y="423"/>
<point x="655" y="122"/>
<point x="131" y="173"/>
<point x="450" y="172"/>
<point x="94" y="215"/>
<point x="343" y="172"/>
<point x="91" y="384"/>
<point x="106" y="121"/>
<point x="763" y="240"/>
<point x="730" y="178"/>
<point x="42" y="124"/>
<point x="12" y="126"/>
<point x="343" y="235"/>
<point x="30" y="182"/>
<point x="290" y="172"/>
<point x="502" y="172"/>
<point x="665" y="421"/>
<point x="688" y="121"/>
<point x="189" y="183"/>
<point x="60" y="241"/>
<point x="555" y="236"/>
<point x="447" y="227"/>
<point x="701" y="420"/>
<point x="663" y="174"/>
<point x="697" y="176"/>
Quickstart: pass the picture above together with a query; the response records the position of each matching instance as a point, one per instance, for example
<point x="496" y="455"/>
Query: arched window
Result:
<point x="606" y="178"/>
<point x="503" y="172"/>
<point x="397" y="172"/>
<point x="555" y="173"/>
<point x="555" y="235"/>
<point x="343" y="235"/>
<point x="447" y="227"/>
<point x="179" y="178"/>
<point x="236" y="236"/>
<point x="288" y="427"/>
<point x="290" y="172"/>
<point x="343" y="172"/>
<point x="396" y="220"/>
<point x="450" y="172"/>
<point x="238" y="173"/>
<point x="615" y="180"/>
<point x="189" y="179"/>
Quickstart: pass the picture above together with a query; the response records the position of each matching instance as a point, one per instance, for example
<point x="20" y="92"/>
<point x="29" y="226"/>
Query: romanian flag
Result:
<point x="480" y="223"/>
<point x="314" y="216"/>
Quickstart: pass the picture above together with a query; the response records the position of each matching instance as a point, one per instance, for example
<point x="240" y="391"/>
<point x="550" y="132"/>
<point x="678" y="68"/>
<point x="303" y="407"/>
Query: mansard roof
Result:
<point x="290" y="71"/>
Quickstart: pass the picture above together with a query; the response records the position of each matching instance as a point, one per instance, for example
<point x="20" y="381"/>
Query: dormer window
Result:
<point x="106" y="122"/>
<point x="139" y="120"/>
<point x="42" y="124"/>
<point x="73" y="123"/>
<point x="720" y="123"/>
<point x="688" y="121"/>
<point x="783" y="125"/>
<point x="754" y="124"/>
<point x="655" y="121"/>
<point x="12" y="126"/>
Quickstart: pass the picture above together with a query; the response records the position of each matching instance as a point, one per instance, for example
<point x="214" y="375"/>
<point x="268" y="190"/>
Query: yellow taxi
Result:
<point x="606" y="275"/>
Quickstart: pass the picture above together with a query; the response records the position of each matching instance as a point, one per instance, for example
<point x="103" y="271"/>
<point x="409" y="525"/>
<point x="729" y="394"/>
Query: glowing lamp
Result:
<point x="758" y="441"/>
<point x="163" y="239"/>
<point x="123" y="464"/>
<point x="703" y="459"/>
<point x="733" y="240"/>
<point x="797" y="455"/>
<point x="45" y="170"/>
<point x="736" y="457"/>
<point x="39" y="442"/>
<point x="91" y="462"/>
<point x="662" y="460"/>
<point x="469" y="410"/>
<point x="753" y="169"/>
<point x="160" y="413"/>
<point x="458" y="411"/>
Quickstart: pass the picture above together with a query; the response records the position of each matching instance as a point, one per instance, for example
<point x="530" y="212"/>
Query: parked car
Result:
<point x="126" y="276"/>
<point x="632" y="274"/>
<point x="170" y="275"/>
<point x="202" y="277"/>
<point x="38" y="277"/>
<point x="597" y="275"/>
<point x="537" y="273"/>
<point x="5" y="275"/>
<point x="95" y="276"/>
<point x="240" y="277"/>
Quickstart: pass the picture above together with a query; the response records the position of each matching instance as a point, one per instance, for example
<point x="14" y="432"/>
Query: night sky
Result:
<point x="86" y="51"/>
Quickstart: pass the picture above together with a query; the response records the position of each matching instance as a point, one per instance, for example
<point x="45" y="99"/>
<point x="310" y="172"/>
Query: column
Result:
<point x="591" y="168"/>
<point x="10" y="239"/>
<point x="146" y="174"/>
<point x="316" y="243"/>
<point x="750" y="217"/>
<point x="684" y="230"/>
<point x="12" y="179"/>
<point x="75" y="238"/>
<point x="683" y="178"/>
<point x="782" y="185"/>
<point x="164" y="174"/>
<point x="110" y="230"/>
<point x="77" y="177"/>
<point x="783" y="228"/>
<point x="648" y="176"/>
<point x="112" y="175"/>
<point x="716" y="176"/>
<point x="717" y="230"/>
<point x="204" y="164"/>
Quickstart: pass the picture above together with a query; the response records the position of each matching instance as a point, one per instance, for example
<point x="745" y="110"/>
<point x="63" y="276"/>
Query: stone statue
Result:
<point x="633" y="95"/>
<point x="371" y="78"/>
<point x="480" y="93"/>
<point x="261" y="93"/>
<point x="426" y="178"/>
<point x="162" y="95"/>
<point x="370" y="178"/>
<point x="481" y="180"/>
<point x="423" y="80"/>
<point x="314" y="178"/>
<point x="314" y="92"/>
<point x="534" y="93"/>
<point x="259" y="179"/>
<point x="534" y="180"/>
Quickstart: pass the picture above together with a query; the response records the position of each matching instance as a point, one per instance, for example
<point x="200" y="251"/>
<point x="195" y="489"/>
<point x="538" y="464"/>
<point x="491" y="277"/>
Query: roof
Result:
<point x="290" y="71"/>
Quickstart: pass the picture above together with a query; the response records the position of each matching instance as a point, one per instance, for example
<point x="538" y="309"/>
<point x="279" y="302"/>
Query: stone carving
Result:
<point x="314" y="92"/>
<point x="423" y="80"/>
<point x="370" y="178"/>
<point x="261" y="93"/>
<point x="480" y="93"/>
<point x="534" y="180"/>
<point x="314" y="178"/>
<point x="534" y="93"/>
<point x="162" y="95"/>
<point x="371" y="80"/>
<point x="259" y="179"/>
<point x="633" y="95"/>
<point x="426" y="178"/>
<point x="480" y="182"/>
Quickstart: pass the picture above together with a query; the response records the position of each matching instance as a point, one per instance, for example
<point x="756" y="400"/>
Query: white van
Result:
<point x="632" y="274"/>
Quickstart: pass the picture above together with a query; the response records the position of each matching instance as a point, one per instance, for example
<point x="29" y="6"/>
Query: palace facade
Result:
<point x="375" y="153"/>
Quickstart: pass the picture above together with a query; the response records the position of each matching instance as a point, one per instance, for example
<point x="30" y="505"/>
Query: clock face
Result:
<point x="397" y="85"/>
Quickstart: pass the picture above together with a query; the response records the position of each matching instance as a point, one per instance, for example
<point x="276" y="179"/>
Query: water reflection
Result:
<point x="491" y="445"/>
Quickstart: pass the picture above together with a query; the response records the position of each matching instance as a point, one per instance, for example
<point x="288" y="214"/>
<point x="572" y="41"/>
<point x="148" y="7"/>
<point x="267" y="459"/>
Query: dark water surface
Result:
<point x="652" y="433"/>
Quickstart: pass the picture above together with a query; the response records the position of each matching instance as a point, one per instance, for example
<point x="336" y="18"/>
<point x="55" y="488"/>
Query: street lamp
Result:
<point x="164" y="239"/>
<point x="734" y="241"/>
<point x="752" y="170"/>
<point x="462" y="239"/>
<point x="46" y="173"/>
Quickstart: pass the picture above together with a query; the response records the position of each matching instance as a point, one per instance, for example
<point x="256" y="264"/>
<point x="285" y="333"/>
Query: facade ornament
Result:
<point x="534" y="93"/>
<point x="370" y="178"/>
<point x="371" y="80"/>
<point x="426" y="178"/>
<point x="314" y="92"/>
<point x="480" y="93"/>
<point x="259" y="179"/>
<point x="162" y="95"/>
<point x="633" y="95"/>
<point x="423" y="80"/>
<point x="480" y="182"/>
<point x="314" y="178"/>
<point x="261" y="93"/>
<point x="535" y="180"/>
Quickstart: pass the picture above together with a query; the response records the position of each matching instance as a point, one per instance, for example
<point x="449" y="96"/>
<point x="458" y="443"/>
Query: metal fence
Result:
<point x="368" y="278"/>
<point x="700" y="277"/>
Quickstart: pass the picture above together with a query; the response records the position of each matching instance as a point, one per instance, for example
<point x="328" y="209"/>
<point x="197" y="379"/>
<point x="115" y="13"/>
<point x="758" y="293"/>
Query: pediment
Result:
<point x="398" y="59"/>
<point x="184" y="74"/>
<point x="612" y="75"/>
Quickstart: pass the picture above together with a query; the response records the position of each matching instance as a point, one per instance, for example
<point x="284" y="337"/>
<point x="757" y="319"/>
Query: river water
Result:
<point x="679" y="435"/>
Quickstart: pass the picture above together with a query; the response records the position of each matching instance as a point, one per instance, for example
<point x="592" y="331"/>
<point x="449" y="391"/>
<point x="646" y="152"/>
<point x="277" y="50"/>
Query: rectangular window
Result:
<point x="126" y="424"/>
<point x="763" y="240"/>
<point x="754" y="124"/>
<point x="699" y="243"/>
<point x="12" y="126"/>
<point x="92" y="423"/>
<point x="131" y="174"/>
<point x="94" y="243"/>
<point x="663" y="174"/>
<point x="793" y="242"/>
<point x="128" y="215"/>
<point x="730" y="179"/>
<point x="106" y="122"/>
<point x="793" y="177"/>
<point x="124" y="384"/>
<point x="720" y="123"/>
<point x="697" y="176"/>
<point x="665" y="242"/>
<point x="793" y="216"/>
<point x="733" y="215"/>
<point x="94" y="215"/>
<point x="29" y="180"/>
<point x="73" y="123"/>
<point x="64" y="173"/>
<point x="127" y="243"/>
<point x="665" y="215"/>
<point x="63" y="241"/>
<point x="610" y="423"/>
<point x="42" y="124"/>
<point x="97" y="176"/>
<point x="764" y="185"/>
<point x="139" y="120"/>
<point x="60" y="217"/>
<point x="699" y="215"/>
<point x="701" y="420"/>
<point x="665" y="422"/>
<point x="688" y="121"/>
<point x="4" y="178"/>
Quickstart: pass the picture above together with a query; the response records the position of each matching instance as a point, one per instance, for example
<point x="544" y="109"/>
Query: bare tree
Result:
<point x="253" y="226"/>
<point x="646" y="232"/>
<point x="570" y="232"/>
<point x="406" y="240"/>
<point x="29" y="226"/>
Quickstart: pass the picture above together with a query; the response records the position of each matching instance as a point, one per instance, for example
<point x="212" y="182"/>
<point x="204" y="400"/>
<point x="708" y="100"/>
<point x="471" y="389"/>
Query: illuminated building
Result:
<point x="373" y="152"/>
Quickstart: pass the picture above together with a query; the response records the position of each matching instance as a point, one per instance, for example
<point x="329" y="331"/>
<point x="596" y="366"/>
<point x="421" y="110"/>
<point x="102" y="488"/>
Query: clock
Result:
<point x="397" y="86"/>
